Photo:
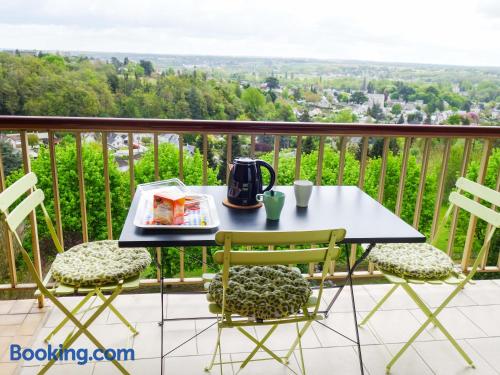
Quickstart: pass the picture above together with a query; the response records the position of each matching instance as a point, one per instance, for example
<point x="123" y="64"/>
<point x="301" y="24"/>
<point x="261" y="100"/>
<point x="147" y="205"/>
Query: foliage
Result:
<point x="147" y="66"/>
<point x="54" y="85"/>
<point x="415" y="117"/>
<point x="69" y="190"/>
<point x="463" y="217"/>
<point x="343" y="97"/>
<point x="358" y="97"/>
<point x="11" y="158"/>
<point x="33" y="139"/>
<point x="351" y="175"/>
<point x="396" y="109"/>
<point x="168" y="163"/>
<point x="272" y="83"/>
<point x="376" y="112"/>
<point x="253" y="101"/>
<point x="341" y="117"/>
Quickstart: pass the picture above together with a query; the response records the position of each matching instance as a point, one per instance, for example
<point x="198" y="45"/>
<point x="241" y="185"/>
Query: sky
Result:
<point x="458" y="32"/>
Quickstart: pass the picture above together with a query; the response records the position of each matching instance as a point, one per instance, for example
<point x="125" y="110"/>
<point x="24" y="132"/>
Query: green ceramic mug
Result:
<point x="273" y="202"/>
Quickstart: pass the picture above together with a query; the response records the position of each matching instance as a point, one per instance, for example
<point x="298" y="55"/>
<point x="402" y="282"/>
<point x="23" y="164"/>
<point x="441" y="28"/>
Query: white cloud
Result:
<point x="430" y="31"/>
<point x="489" y="8"/>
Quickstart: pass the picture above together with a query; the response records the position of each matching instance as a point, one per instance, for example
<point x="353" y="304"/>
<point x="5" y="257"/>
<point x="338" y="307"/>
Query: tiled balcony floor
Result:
<point x="473" y="318"/>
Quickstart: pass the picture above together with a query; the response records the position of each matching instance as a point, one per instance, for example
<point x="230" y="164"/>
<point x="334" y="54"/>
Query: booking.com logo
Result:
<point x="82" y="355"/>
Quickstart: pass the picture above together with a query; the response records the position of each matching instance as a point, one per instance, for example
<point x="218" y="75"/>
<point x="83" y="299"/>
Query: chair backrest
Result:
<point x="13" y="218"/>
<point x="279" y="238"/>
<point x="473" y="207"/>
<point x="480" y="210"/>
<point x="323" y="256"/>
<point x="16" y="191"/>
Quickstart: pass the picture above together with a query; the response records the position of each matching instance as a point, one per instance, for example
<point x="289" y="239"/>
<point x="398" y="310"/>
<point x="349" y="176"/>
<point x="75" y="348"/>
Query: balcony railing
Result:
<point x="473" y="137"/>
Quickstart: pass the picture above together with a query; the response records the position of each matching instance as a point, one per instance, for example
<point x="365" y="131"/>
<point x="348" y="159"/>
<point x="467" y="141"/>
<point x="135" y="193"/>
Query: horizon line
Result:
<point x="254" y="57"/>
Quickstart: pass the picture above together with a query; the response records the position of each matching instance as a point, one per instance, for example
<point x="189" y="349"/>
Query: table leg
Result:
<point x="354" y="313"/>
<point x="353" y="301"/>
<point x="349" y="274"/>
<point x="161" y="323"/>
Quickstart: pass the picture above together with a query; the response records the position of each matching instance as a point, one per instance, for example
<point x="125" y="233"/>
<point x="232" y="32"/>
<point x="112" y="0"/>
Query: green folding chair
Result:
<point x="308" y="311"/>
<point x="475" y="208"/>
<point x="14" y="219"/>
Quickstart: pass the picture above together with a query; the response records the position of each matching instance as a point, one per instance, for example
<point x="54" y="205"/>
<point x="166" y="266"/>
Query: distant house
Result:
<point x="43" y="137"/>
<point x="9" y="141"/>
<point x="315" y="112"/>
<point x="117" y="140"/>
<point x="89" y="137"/>
<point x="169" y="138"/>
<point x="410" y="107"/>
<point x="400" y="102"/>
<point x="14" y="140"/>
<point x="375" y="99"/>
<point x="323" y="103"/>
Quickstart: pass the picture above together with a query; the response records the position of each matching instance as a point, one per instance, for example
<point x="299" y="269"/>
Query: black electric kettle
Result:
<point x="245" y="181"/>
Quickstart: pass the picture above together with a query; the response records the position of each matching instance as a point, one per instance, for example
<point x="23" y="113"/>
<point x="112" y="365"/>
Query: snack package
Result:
<point x="168" y="207"/>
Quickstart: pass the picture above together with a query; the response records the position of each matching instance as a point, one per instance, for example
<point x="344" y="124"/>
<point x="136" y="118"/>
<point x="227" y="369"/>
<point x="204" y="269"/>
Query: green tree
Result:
<point x="396" y="109"/>
<point x="376" y="112"/>
<point x="343" y="97"/>
<point x="147" y="66"/>
<point x="377" y="147"/>
<point x="308" y="145"/>
<point x="304" y="116"/>
<point x="117" y="63"/>
<point x="253" y="101"/>
<point x="197" y="104"/>
<point x="358" y="97"/>
<point x="168" y="162"/>
<point x="210" y="150"/>
<point x="344" y="116"/>
<point x="415" y="117"/>
<point x="284" y="112"/>
<point x="272" y="83"/>
<point x="454" y="119"/>
<point x="33" y="139"/>
<point x="297" y="93"/>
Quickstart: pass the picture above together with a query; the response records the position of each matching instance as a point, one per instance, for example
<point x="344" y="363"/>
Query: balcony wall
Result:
<point x="431" y="142"/>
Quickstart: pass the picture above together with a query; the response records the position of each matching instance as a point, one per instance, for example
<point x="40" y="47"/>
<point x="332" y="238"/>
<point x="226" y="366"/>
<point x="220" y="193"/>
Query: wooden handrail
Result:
<point x="97" y="124"/>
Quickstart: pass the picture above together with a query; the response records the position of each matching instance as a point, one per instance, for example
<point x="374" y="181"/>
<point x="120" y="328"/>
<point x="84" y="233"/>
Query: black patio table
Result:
<point x="366" y="222"/>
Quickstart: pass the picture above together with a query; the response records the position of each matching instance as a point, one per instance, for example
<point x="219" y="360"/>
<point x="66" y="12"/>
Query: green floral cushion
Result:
<point x="262" y="292"/>
<point x="414" y="261"/>
<point x="99" y="263"/>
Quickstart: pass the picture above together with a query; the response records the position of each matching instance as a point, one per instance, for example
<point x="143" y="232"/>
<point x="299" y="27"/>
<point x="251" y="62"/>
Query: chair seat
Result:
<point x="261" y="292"/>
<point x="418" y="261"/>
<point x="214" y="308"/>
<point x="99" y="263"/>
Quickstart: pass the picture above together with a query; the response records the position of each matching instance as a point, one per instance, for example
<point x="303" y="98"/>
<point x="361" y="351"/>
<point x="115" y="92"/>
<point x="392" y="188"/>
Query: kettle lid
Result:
<point x="244" y="160"/>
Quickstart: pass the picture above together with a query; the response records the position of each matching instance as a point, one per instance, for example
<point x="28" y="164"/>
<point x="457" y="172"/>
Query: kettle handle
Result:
<point x="261" y="163"/>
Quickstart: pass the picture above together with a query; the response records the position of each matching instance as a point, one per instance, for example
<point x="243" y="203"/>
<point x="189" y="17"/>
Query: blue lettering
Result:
<point x="82" y="355"/>
<point x="15" y="352"/>
<point x="28" y="354"/>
